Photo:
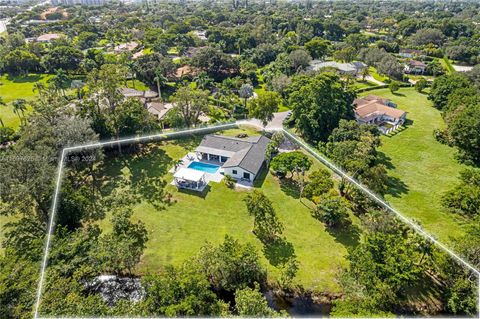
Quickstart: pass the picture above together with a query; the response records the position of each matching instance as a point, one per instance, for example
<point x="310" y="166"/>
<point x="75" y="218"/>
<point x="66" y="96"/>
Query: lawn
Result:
<point x="17" y="87"/>
<point x="178" y="231"/>
<point x="421" y="168"/>
<point x="376" y="75"/>
<point x="359" y="84"/>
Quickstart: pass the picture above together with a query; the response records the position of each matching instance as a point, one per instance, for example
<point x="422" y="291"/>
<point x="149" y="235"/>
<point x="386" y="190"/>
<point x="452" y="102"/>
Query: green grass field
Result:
<point x="17" y="87"/>
<point x="421" y="168"/>
<point x="177" y="232"/>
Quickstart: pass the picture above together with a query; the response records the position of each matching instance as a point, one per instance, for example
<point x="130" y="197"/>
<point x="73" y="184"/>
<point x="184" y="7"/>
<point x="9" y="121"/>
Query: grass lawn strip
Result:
<point x="422" y="169"/>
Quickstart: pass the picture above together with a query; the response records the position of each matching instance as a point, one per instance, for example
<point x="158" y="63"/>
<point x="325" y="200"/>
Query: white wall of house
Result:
<point x="237" y="172"/>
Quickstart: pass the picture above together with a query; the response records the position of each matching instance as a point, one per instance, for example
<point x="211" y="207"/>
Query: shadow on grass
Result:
<point x="408" y="122"/>
<point x="290" y="187"/>
<point x="147" y="167"/>
<point x="258" y="182"/>
<point x="398" y="94"/>
<point x="24" y="78"/>
<point x="425" y="297"/>
<point x="348" y="236"/>
<point x="202" y="194"/>
<point x="395" y="186"/>
<point x="279" y="251"/>
<point x="188" y="142"/>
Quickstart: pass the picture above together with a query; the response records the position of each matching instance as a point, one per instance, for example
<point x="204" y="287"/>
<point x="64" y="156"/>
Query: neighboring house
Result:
<point x="241" y="158"/>
<point x="159" y="109"/>
<point x="138" y="54"/>
<point x="410" y="53"/>
<point x="49" y="37"/>
<point x="359" y="66"/>
<point x="416" y="67"/>
<point x="378" y="111"/>
<point x="201" y="34"/>
<point x="343" y="68"/>
<point x="126" y="47"/>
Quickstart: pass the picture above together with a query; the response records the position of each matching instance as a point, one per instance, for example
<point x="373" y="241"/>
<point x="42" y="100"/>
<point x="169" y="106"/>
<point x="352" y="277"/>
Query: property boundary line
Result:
<point x="153" y="137"/>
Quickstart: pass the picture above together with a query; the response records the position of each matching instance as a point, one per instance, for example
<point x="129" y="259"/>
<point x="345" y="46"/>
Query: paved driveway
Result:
<point x="275" y="124"/>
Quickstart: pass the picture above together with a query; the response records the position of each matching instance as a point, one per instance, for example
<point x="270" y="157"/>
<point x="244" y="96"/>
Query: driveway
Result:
<point x="373" y="80"/>
<point x="275" y="124"/>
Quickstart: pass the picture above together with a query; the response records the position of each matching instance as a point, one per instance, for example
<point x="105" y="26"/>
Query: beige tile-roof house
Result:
<point x="379" y="111"/>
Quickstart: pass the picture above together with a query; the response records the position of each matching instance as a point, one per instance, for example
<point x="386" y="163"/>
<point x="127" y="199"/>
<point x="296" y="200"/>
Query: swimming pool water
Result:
<point x="204" y="167"/>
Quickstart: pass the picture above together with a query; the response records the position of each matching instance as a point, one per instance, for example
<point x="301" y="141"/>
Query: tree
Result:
<point x="245" y="92"/>
<point x="318" y="48"/>
<point x="150" y="66"/>
<point x="444" y="85"/>
<point x="86" y="40"/>
<point x="132" y="118"/>
<point x="60" y="81"/>
<point x="273" y="145"/>
<point x="264" y="106"/>
<point x="203" y="81"/>
<point x="421" y="85"/>
<point x="215" y="63"/>
<point x="319" y="182"/>
<point x="231" y="265"/>
<point x="463" y="128"/>
<point x="428" y="36"/>
<point x="461" y="287"/>
<point x="332" y="210"/>
<point x="299" y="59"/>
<point x="190" y="103"/>
<point x="265" y="221"/>
<point x="464" y="199"/>
<point x="291" y="162"/>
<point x="178" y="292"/>
<point x="393" y="87"/>
<point x="160" y="80"/>
<point x="365" y="73"/>
<point x="20" y="62"/>
<point x="62" y="57"/>
<point x="318" y="104"/>
<point x="389" y="258"/>
<point x="389" y="66"/>
<point x="121" y="250"/>
<point x="251" y="303"/>
<point x="20" y="106"/>
<point x="346" y="54"/>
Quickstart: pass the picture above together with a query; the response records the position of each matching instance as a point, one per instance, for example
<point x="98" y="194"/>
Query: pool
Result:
<point x="204" y="167"/>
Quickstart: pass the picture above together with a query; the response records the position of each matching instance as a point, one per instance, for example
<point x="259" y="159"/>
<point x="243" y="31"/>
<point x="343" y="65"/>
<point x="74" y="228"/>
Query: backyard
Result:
<point x="17" y="87"/>
<point x="421" y="168"/>
<point x="177" y="230"/>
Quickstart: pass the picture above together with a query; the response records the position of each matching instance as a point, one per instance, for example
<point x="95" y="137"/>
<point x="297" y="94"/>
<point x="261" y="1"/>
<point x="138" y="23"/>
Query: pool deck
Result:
<point x="209" y="177"/>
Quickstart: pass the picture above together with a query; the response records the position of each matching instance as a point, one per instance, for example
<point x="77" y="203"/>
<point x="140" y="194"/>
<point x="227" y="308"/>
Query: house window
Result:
<point x="234" y="172"/>
<point x="246" y="175"/>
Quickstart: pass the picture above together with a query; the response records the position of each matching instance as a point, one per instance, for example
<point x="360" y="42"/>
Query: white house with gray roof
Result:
<point x="241" y="158"/>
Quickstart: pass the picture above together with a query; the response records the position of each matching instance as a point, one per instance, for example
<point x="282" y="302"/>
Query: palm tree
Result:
<point x="38" y="87"/>
<point x="20" y="106"/>
<point x="202" y="80"/>
<point x="60" y="81"/>
<point x="365" y="72"/>
<point x="245" y="92"/>
<point x="177" y="163"/>
<point x="161" y="80"/>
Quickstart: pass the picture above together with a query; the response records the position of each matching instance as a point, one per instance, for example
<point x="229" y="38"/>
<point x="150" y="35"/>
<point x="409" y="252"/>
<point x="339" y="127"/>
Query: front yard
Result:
<point x="181" y="228"/>
<point x="421" y="168"/>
